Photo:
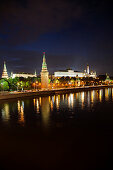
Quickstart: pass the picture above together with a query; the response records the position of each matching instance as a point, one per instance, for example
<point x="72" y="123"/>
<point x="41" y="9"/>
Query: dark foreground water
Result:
<point x="71" y="131"/>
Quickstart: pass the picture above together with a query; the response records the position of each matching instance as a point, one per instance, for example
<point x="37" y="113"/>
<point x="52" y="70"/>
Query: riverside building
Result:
<point x="44" y="74"/>
<point x="24" y="75"/>
<point x="4" y="73"/>
<point x="72" y="73"/>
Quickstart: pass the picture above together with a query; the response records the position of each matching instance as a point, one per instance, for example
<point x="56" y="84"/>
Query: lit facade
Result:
<point x="88" y="69"/>
<point x="4" y="73"/>
<point x="44" y="74"/>
<point x="24" y="75"/>
<point x="72" y="73"/>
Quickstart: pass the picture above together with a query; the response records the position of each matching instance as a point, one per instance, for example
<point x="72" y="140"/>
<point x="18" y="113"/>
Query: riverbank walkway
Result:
<point x="16" y="94"/>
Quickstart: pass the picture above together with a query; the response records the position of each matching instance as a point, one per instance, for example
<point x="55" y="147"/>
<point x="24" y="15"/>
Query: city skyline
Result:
<point x="72" y="33"/>
<point x="56" y="84"/>
<point x="87" y="69"/>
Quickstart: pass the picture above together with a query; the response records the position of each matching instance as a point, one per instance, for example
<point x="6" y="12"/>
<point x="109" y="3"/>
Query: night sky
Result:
<point x="73" y="33"/>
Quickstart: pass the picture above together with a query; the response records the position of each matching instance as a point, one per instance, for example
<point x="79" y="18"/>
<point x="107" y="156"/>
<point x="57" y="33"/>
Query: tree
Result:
<point x="4" y="85"/>
<point x="13" y="83"/>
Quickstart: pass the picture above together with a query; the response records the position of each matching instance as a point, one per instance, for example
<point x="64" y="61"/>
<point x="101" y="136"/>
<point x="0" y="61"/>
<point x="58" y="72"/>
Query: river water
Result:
<point x="68" y="131"/>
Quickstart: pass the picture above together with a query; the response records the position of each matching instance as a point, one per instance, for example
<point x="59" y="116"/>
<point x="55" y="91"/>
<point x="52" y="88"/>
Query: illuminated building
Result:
<point x="87" y="69"/>
<point x="24" y="75"/>
<point x="44" y="74"/>
<point x="45" y="110"/>
<point x="72" y="73"/>
<point x="78" y="82"/>
<point x="4" y="73"/>
<point x="107" y="80"/>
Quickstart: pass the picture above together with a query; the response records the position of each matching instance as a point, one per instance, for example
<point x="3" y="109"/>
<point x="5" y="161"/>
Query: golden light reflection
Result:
<point x="76" y="96"/>
<point x="40" y="101"/>
<point x="92" y="96"/>
<point x="45" y="110"/>
<point x="36" y="105"/>
<point x="21" y="112"/>
<point x="88" y="98"/>
<point x="5" y="112"/>
<point x="106" y="94"/>
<point x="82" y="98"/>
<point x="100" y="95"/>
<point x="51" y="105"/>
<point x="34" y="102"/>
<point x="52" y="102"/>
<point x="112" y="93"/>
<point x="71" y="100"/>
<point x="57" y="102"/>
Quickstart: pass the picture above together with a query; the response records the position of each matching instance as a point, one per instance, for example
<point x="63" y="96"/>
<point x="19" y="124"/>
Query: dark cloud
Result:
<point x="72" y="32"/>
<point x="24" y="22"/>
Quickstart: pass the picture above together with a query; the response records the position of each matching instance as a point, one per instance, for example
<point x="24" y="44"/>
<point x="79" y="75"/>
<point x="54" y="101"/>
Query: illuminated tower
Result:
<point x="35" y="73"/>
<point x="44" y="74"/>
<point x="87" y="69"/>
<point x="4" y="73"/>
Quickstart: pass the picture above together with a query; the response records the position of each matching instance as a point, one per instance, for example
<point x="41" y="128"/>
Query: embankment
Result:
<point x="8" y="95"/>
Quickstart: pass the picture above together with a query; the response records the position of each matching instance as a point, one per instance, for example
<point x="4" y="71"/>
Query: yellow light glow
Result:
<point x="45" y="110"/>
<point x="37" y="106"/>
<point x="5" y="112"/>
<point x="21" y="112"/>
<point x="57" y="103"/>
<point x="71" y="100"/>
<point x="106" y="94"/>
<point x="100" y="95"/>
<point x="92" y="96"/>
<point x="82" y="99"/>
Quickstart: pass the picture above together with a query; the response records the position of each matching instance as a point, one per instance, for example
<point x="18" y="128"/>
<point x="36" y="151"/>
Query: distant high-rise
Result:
<point x="4" y="73"/>
<point x="87" y="69"/>
<point x="44" y="74"/>
<point x="35" y="73"/>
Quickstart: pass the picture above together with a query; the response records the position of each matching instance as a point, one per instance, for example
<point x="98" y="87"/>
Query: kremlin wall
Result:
<point x="45" y="74"/>
<point x="63" y="81"/>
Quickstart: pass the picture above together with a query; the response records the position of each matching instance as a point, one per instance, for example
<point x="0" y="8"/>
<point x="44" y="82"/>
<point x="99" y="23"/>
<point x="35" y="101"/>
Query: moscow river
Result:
<point x="67" y="131"/>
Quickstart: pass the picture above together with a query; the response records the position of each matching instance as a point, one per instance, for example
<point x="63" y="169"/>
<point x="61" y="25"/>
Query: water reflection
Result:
<point x="71" y="100"/>
<point x="57" y="101"/>
<point x="82" y="99"/>
<point x="5" y="112"/>
<point x="21" y="119"/>
<point x="92" y="95"/>
<point x="100" y="95"/>
<point x="112" y="94"/>
<point x="88" y="99"/>
<point x="46" y="107"/>
<point x="45" y="110"/>
<point x="106" y="95"/>
<point x="36" y="105"/>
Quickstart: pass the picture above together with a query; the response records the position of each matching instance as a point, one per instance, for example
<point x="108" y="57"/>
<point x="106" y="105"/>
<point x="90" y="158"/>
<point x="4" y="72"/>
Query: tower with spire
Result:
<point x="87" y="69"/>
<point x="4" y="73"/>
<point x="44" y="74"/>
<point x="35" y="73"/>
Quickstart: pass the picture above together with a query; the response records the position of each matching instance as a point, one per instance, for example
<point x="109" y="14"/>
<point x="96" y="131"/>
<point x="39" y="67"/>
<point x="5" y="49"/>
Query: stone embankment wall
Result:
<point x="7" y="95"/>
